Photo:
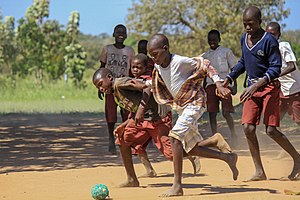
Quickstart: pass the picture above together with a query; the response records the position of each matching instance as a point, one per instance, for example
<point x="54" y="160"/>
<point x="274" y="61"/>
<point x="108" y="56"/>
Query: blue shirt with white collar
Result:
<point x="262" y="59"/>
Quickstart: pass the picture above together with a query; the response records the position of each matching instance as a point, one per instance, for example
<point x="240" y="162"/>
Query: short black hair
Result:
<point x="119" y="26"/>
<point x="255" y="11"/>
<point x="159" y="38"/>
<point x="214" y="32"/>
<point x="100" y="73"/>
<point x="275" y="26"/>
<point x="141" y="57"/>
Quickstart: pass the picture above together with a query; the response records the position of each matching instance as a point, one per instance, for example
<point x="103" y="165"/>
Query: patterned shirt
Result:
<point x="128" y="97"/>
<point x="117" y="60"/>
<point x="191" y="91"/>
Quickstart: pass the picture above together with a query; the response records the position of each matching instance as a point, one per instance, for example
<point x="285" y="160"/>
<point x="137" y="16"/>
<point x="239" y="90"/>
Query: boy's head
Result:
<point x="142" y="47"/>
<point x="252" y="19"/>
<point x="213" y="39"/>
<point x="103" y="80"/>
<point x="274" y="29"/>
<point x="120" y="33"/>
<point x="158" y="48"/>
<point x="139" y="64"/>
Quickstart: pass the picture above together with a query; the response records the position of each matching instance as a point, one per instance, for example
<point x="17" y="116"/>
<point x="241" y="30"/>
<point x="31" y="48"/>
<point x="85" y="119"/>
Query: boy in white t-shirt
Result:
<point x="289" y="77"/>
<point x="223" y="61"/>
<point x="177" y="81"/>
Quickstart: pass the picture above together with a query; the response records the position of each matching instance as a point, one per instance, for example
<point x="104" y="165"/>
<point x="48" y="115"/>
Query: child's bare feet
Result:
<point x="150" y="174"/>
<point x="176" y="190"/>
<point x="196" y="163"/>
<point x="232" y="160"/>
<point x="296" y="171"/>
<point x="130" y="183"/>
<point x="222" y="145"/>
<point x="257" y="177"/>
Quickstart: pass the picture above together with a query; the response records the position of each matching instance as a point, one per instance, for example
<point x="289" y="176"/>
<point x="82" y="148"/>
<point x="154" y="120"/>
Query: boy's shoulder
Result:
<point x="112" y="47"/>
<point x="284" y="44"/>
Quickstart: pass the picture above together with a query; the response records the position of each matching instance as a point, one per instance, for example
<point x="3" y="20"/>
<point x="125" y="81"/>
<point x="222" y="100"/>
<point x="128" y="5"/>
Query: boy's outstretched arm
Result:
<point x="249" y="91"/>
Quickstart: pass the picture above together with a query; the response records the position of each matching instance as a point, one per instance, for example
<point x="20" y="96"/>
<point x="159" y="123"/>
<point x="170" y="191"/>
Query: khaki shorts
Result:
<point x="186" y="127"/>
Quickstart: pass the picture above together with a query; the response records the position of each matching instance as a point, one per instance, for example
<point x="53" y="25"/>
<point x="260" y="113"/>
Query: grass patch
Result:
<point x="55" y="97"/>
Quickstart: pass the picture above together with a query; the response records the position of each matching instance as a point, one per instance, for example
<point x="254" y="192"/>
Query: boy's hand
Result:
<point x="138" y="84"/>
<point x="248" y="92"/>
<point x="139" y="116"/>
<point x="222" y="91"/>
<point x="100" y="95"/>
<point x="119" y="130"/>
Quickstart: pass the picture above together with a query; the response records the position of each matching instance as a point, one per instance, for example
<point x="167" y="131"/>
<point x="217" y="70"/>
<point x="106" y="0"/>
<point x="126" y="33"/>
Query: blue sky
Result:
<point x="100" y="16"/>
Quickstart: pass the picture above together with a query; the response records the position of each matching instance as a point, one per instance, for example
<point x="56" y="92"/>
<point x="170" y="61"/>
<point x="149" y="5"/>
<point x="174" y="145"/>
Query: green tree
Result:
<point x="188" y="22"/>
<point x="8" y="46"/>
<point x="75" y="56"/>
<point x="31" y="40"/>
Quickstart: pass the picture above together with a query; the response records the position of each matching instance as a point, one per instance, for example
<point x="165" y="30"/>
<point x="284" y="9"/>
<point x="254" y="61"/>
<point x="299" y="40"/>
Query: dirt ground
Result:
<point x="61" y="156"/>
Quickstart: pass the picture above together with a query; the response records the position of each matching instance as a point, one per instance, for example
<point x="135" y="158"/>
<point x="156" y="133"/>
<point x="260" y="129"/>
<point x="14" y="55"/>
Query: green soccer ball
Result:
<point x="100" y="191"/>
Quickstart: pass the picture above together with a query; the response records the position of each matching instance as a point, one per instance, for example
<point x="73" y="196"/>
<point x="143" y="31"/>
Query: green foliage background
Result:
<point x="33" y="50"/>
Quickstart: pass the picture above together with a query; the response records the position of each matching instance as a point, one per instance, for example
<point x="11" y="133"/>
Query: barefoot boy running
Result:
<point x="176" y="81"/>
<point x="136" y="132"/>
<point x="261" y="60"/>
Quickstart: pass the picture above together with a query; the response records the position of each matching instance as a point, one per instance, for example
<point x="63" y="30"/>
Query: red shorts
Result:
<point x="264" y="101"/>
<point x="111" y="110"/>
<point x="291" y="105"/>
<point x="138" y="137"/>
<point x="213" y="101"/>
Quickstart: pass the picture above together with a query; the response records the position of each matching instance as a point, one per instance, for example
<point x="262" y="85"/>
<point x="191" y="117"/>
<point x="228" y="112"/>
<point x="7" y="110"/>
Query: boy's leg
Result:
<point x="213" y="121"/>
<point x="260" y="174"/>
<point x="150" y="172"/>
<point x="159" y="133"/>
<point x="212" y="106"/>
<point x="195" y="160"/>
<point x="227" y="109"/>
<point x="230" y="122"/>
<point x="132" y="180"/>
<point x="217" y="141"/>
<point x="229" y="158"/>
<point x="282" y="140"/>
<point x="133" y="137"/>
<point x="271" y="120"/>
<point x="176" y="189"/>
<point x="111" y="138"/>
<point x="111" y="119"/>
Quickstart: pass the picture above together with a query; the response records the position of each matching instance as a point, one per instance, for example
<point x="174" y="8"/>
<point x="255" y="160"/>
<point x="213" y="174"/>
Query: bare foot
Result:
<point x="232" y="164"/>
<point x="150" y="174"/>
<point x="296" y="171"/>
<point x="255" y="177"/>
<point x="195" y="160"/>
<point x="130" y="184"/>
<point x="174" y="191"/>
<point x="222" y="145"/>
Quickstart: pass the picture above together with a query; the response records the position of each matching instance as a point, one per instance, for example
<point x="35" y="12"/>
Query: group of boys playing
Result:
<point x="177" y="82"/>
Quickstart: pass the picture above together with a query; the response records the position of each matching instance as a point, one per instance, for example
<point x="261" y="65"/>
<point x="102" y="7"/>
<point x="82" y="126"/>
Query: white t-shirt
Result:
<point x="290" y="83"/>
<point x="222" y="59"/>
<point x="177" y="72"/>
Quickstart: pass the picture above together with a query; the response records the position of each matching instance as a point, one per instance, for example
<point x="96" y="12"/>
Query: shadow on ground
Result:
<point x="45" y="142"/>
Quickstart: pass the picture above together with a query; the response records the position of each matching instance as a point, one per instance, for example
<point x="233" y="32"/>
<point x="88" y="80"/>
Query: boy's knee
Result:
<point x="249" y="130"/>
<point x="226" y="114"/>
<point x="272" y="131"/>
